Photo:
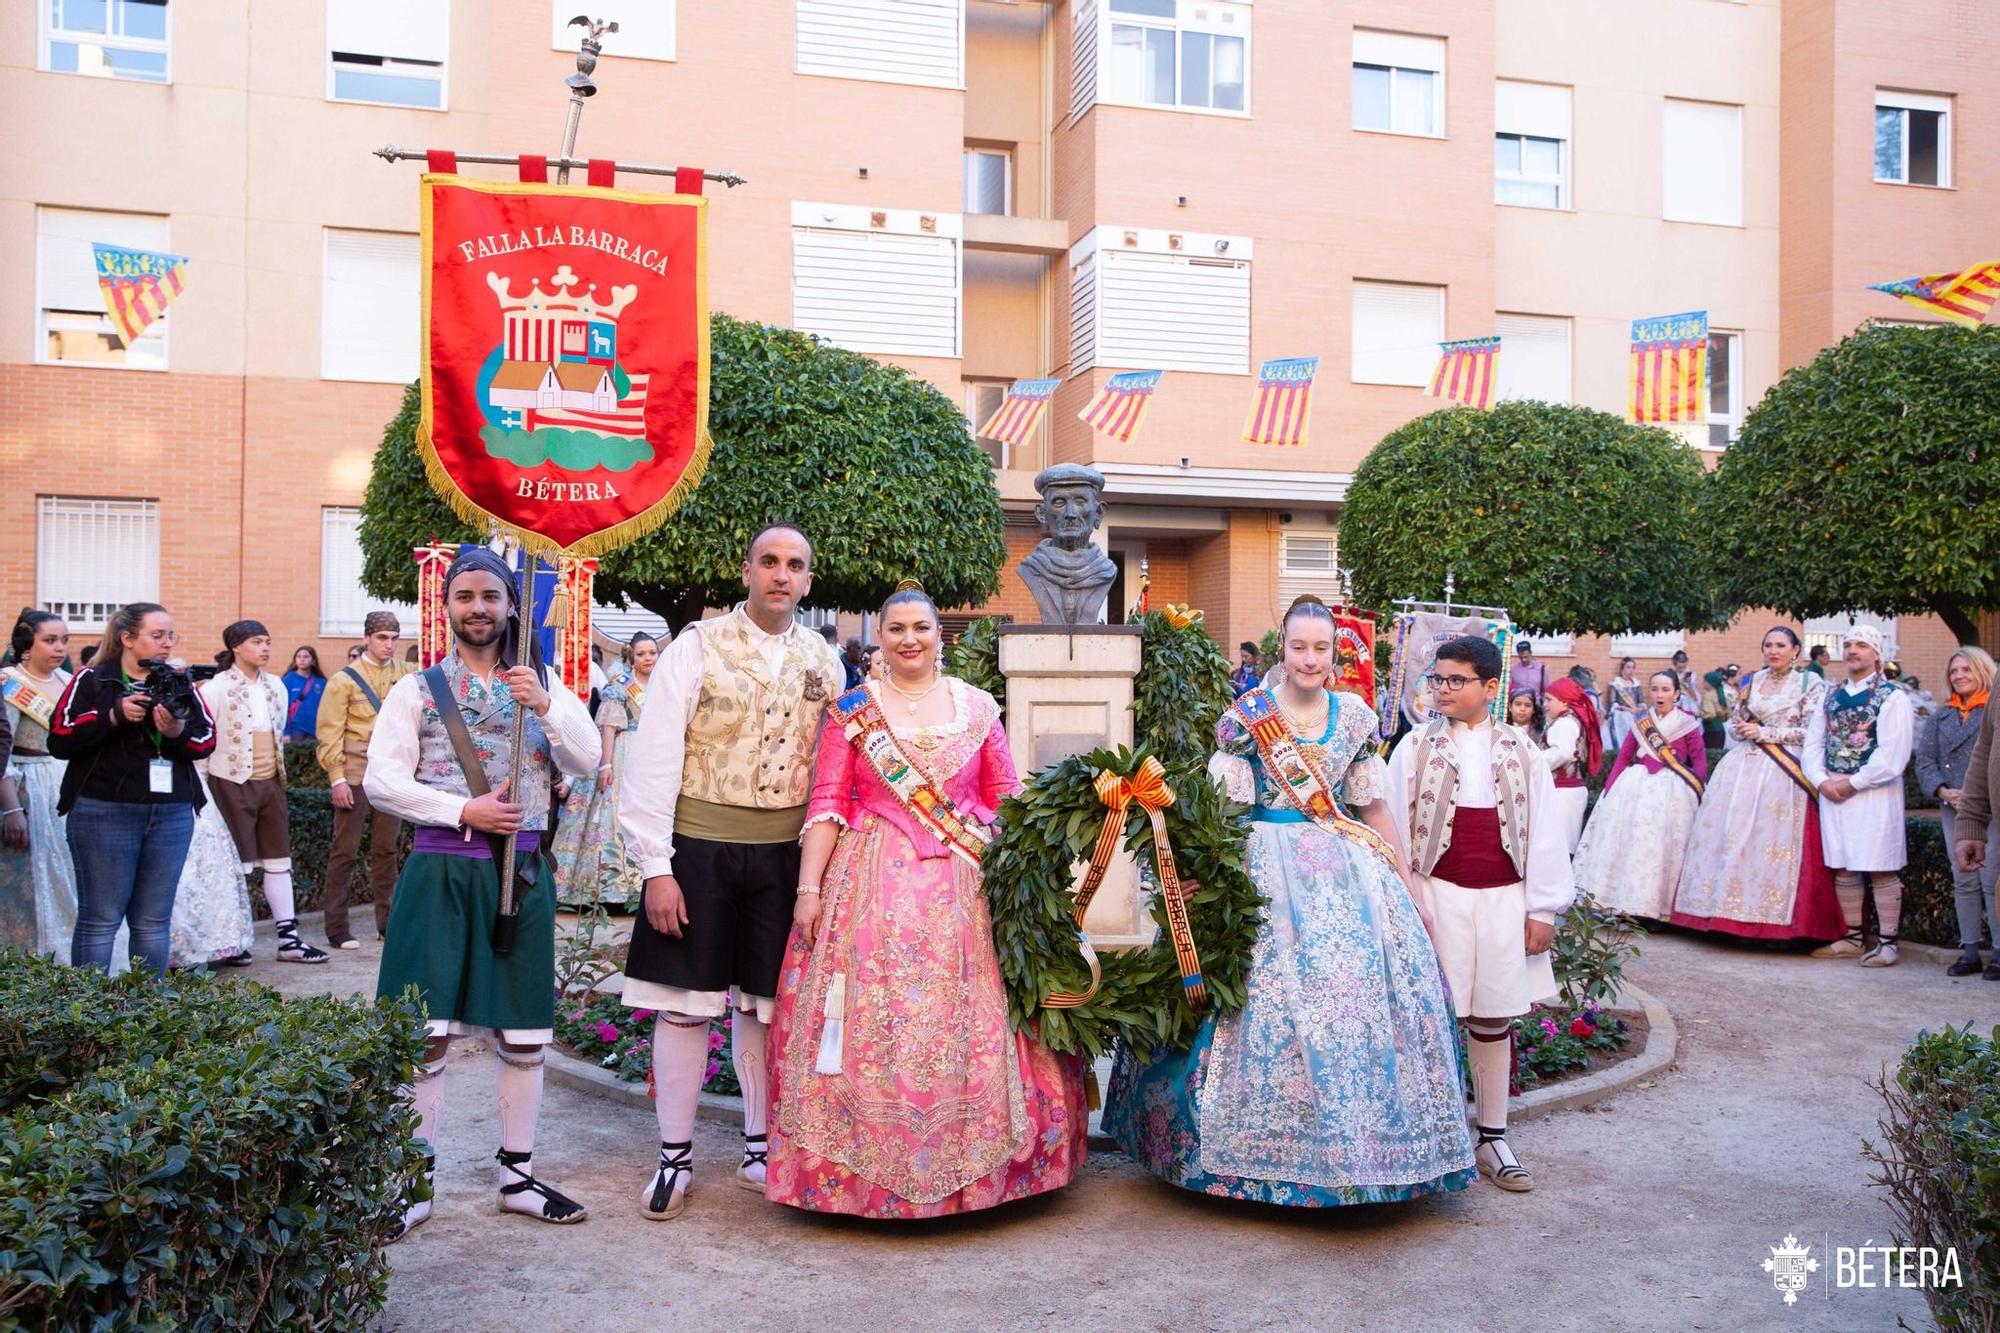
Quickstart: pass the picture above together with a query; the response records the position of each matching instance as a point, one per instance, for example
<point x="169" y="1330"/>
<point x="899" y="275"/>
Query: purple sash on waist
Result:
<point x="453" y="842"/>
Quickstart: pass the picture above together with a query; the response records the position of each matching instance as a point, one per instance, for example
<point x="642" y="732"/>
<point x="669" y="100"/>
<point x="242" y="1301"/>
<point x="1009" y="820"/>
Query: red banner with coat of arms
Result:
<point x="566" y="357"/>
<point x="1353" y="652"/>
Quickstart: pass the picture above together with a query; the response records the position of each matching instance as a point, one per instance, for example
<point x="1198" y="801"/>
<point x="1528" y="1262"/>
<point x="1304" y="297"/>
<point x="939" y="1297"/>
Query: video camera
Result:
<point x="171" y="687"/>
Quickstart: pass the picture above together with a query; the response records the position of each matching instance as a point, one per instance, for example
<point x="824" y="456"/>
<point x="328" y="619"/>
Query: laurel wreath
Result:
<point x="1029" y="871"/>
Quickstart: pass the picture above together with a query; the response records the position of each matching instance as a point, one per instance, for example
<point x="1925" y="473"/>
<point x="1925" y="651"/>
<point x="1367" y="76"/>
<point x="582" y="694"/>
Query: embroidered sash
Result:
<point x="1657" y="741"/>
<point x="868" y="732"/>
<point x="30" y="699"/>
<point x="1298" y="777"/>
<point x="1788" y="764"/>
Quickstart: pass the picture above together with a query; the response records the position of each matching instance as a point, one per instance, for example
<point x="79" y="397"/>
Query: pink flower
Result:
<point x="714" y="1068"/>
<point x="1549" y="1027"/>
<point x="643" y="1015"/>
<point x="607" y="1032"/>
<point x="715" y="1041"/>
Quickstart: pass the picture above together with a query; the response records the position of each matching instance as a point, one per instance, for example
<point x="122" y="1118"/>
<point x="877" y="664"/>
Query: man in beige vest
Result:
<point x="346" y="720"/>
<point x="714" y="793"/>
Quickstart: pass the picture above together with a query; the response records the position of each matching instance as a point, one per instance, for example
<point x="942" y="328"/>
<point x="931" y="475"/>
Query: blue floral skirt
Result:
<point x="1338" y="1082"/>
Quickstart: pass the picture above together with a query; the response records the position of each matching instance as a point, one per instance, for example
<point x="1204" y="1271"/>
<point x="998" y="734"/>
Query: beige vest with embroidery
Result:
<point x="750" y="743"/>
<point x="1436" y="795"/>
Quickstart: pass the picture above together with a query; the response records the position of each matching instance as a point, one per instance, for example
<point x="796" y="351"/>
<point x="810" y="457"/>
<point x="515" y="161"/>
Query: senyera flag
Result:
<point x="566" y="355"/>
<point x="1669" y="379"/>
<point x="1020" y="411"/>
<point x="1964" y="297"/>
<point x="1468" y="370"/>
<point x="1283" y="405"/>
<point x="1120" y="406"/>
<point x="137" y="286"/>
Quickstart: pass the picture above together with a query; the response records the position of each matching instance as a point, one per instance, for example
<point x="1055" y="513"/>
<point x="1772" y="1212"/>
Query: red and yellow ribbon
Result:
<point x="1180" y="616"/>
<point x="1148" y="789"/>
<point x="433" y="628"/>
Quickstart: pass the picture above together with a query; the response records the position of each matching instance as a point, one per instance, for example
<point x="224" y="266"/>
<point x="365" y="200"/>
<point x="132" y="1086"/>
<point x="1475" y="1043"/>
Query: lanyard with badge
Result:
<point x="159" y="769"/>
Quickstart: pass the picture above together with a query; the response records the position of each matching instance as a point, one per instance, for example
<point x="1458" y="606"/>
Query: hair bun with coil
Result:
<point x="909" y="585"/>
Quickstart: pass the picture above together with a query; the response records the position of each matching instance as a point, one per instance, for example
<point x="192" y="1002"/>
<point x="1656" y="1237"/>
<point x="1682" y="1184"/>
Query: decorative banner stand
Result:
<point x="1499" y="627"/>
<point x="572" y="417"/>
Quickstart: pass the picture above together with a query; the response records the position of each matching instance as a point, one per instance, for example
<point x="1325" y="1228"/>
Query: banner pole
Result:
<point x="580" y="84"/>
<point x="524" y="629"/>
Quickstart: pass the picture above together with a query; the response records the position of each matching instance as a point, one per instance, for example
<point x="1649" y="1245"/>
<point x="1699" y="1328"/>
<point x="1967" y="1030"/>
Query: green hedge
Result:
<point x="1937" y="1161"/>
<point x="196" y="1154"/>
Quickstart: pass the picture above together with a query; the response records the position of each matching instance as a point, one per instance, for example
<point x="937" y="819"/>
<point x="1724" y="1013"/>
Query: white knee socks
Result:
<point x="520" y="1097"/>
<point x="1847" y="887"/>
<point x="1492" y="1066"/>
<point x="278" y="890"/>
<point x="680" y="1066"/>
<point x="426" y="1094"/>
<point x="1888" y="904"/>
<point x="747" y="1052"/>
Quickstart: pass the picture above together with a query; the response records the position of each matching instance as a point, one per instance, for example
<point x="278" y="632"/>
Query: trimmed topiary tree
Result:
<point x="1569" y="517"/>
<point x="1868" y="478"/>
<point x="875" y="464"/>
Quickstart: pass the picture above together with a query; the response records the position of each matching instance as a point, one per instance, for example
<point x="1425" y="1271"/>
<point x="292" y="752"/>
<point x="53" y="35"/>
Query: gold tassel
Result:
<point x="559" y="607"/>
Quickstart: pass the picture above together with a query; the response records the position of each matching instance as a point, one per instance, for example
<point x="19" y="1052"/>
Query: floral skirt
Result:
<point x="212" y="918"/>
<point x="38" y="886"/>
<point x="1338" y="1081"/>
<point x="1630" y="858"/>
<point x="898" y="1088"/>
<point x="589" y="852"/>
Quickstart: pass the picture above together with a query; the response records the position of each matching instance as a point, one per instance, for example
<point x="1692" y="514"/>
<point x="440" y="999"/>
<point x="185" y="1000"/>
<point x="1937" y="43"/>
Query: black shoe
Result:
<point x="243" y="959"/>
<point x="1992" y="972"/>
<point x="1968" y="962"/>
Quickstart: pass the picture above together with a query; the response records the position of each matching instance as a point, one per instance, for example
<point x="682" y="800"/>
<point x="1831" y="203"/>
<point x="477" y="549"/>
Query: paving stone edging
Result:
<point x="1662" y="1045"/>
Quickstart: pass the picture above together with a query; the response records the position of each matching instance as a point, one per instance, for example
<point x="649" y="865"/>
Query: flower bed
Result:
<point x="603" y="1031"/>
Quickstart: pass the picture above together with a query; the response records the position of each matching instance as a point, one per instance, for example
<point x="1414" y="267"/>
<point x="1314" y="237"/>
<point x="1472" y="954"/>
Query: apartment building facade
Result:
<point x="978" y="191"/>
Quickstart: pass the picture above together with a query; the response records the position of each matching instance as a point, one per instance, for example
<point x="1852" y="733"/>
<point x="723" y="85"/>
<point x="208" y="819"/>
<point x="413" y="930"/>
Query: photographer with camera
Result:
<point x="246" y="774"/>
<point x="130" y="729"/>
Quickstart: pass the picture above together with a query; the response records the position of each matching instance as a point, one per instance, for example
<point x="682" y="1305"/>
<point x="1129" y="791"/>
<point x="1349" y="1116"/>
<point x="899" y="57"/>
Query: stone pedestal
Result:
<point x="1069" y="691"/>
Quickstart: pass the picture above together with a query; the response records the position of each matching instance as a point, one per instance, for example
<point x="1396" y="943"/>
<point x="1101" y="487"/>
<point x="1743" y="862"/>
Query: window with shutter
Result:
<point x="1398" y="83"/>
<point x="1083" y="313"/>
<point x="989" y="181"/>
<point x="981" y="402"/>
<point x="343" y="605"/>
<point x="889" y="41"/>
<point x="1725" y="387"/>
<point x="877" y="290"/>
<point x="388" y="51"/>
<point x="70" y="323"/>
<point x="1912" y="138"/>
<point x="370" y="289"/>
<point x="1173" y="312"/>
<point x="1703" y="163"/>
<point x="1534" y="357"/>
<point x="110" y="39"/>
<point x="92" y="556"/>
<point x="645" y="29"/>
<point x="1531" y="130"/>
<point x="1397" y="329"/>
<point x="1308" y="562"/>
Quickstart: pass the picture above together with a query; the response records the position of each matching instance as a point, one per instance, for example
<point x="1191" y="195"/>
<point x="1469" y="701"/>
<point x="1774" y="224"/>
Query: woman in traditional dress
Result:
<point x="1628" y="700"/>
<point x="1754" y="866"/>
<point x="589" y="851"/>
<point x="37" y="880"/>
<point x="1338" y="1081"/>
<point x="212" y="922"/>
<point x="1630" y="858"/>
<point x="1573" y="749"/>
<point x="898" y="1088"/>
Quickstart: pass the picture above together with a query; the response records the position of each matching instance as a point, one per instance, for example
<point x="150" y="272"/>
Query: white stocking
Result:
<point x="680" y="1062"/>
<point x="520" y="1098"/>
<point x="1491" y="1063"/>
<point x="747" y="1053"/>
<point x="278" y="890"/>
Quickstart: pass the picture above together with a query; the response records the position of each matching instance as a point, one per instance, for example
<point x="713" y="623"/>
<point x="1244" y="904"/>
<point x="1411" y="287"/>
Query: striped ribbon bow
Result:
<point x="1181" y="616"/>
<point x="1147" y="788"/>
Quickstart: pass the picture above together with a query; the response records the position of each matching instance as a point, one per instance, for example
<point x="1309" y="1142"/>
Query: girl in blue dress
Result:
<point x="1338" y="1081"/>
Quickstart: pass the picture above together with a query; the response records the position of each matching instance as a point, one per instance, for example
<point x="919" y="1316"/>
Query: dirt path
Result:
<point x="1654" y="1210"/>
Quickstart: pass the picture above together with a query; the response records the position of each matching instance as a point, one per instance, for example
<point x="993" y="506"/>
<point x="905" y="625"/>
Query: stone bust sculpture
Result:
<point x="1069" y="576"/>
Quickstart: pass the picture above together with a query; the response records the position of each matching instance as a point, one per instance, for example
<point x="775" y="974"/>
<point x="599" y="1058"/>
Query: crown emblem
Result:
<point x="561" y="300"/>
<point x="1789" y="1265"/>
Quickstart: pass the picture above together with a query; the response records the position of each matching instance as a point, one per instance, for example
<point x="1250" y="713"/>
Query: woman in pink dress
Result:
<point x="898" y="1088"/>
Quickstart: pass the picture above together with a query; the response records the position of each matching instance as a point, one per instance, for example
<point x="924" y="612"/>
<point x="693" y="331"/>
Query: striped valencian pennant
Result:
<point x="1468" y="371"/>
<point x="1669" y="376"/>
<point x="1963" y="297"/>
<point x="1020" y="411"/>
<point x="137" y="286"/>
<point x="1280" y="412"/>
<point x="1120" y="406"/>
